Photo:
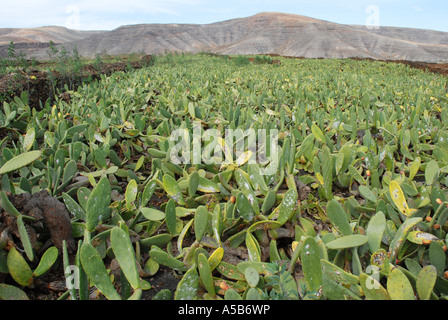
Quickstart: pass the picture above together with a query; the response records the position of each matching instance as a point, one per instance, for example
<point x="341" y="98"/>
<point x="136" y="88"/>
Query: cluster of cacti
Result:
<point x="354" y="208"/>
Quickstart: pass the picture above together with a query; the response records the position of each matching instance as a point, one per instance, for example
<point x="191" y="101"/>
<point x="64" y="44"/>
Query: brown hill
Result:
<point x="29" y="40"/>
<point x="270" y="33"/>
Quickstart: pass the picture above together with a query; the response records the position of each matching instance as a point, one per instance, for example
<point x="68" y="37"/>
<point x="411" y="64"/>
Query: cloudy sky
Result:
<point x="110" y="14"/>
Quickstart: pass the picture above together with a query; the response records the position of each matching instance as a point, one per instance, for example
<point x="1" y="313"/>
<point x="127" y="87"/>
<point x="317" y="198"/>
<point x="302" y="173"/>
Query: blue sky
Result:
<point x="109" y="14"/>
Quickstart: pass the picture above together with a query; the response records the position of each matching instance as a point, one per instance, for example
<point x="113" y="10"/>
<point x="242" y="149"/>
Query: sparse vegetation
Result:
<point x="65" y="67"/>
<point x="263" y="59"/>
<point x="241" y="60"/>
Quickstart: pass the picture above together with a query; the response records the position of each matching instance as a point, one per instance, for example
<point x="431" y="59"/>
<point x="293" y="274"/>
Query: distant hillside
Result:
<point x="267" y="33"/>
<point x="29" y="40"/>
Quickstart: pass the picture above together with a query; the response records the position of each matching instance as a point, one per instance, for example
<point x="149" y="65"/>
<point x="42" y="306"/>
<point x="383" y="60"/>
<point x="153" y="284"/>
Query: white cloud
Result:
<point x="29" y="13"/>
<point x="125" y="7"/>
<point x="89" y="14"/>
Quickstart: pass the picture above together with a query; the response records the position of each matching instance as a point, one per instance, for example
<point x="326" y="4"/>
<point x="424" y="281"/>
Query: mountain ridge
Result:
<point x="283" y="34"/>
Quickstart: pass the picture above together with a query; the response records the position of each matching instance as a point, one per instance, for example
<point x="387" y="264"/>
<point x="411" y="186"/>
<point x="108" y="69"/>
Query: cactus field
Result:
<point x="130" y="178"/>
